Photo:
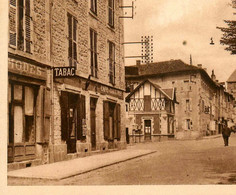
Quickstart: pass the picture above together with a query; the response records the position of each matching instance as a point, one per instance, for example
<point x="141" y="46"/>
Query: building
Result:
<point x="231" y="88"/>
<point x="66" y="80"/>
<point x="150" y="113"/>
<point x="202" y="100"/>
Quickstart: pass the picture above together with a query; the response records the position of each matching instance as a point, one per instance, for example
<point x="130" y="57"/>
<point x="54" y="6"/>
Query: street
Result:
<point x="204" y="161"/>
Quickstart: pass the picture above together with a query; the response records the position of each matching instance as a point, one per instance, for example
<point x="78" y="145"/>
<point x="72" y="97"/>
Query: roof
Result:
<point x="232" y="77"/>
<point x="159" y="68"/>
<point x="168" y="93"/>
<point x="163" y="68"/>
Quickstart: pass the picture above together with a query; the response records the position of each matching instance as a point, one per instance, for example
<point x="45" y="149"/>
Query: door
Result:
<point x="93" y="102"/>
<point x="147" y="129"/>
<point x="71" y="142"/>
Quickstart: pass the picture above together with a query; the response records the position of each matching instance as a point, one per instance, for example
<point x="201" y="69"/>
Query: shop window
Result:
<point x="72" y="40"/>
<point x="111" y="13"/>
<point x="21" y="113"/>
<point x="93" y="53"/>
<point x="20" y="25"/>
<point x="111" y="121"/>
<point x="111" y="60"/>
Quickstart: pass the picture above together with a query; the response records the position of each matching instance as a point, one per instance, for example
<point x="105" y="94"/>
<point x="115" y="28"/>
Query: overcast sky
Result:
<point x="171" y="22"/>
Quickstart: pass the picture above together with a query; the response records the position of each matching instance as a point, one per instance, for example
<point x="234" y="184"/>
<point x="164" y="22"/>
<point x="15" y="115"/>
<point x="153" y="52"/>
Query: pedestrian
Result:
<point x="226" y="131"/>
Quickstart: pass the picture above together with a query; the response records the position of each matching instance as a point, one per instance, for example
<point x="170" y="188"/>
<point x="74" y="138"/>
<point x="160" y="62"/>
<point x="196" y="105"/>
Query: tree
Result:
<point x="229" y="33"/>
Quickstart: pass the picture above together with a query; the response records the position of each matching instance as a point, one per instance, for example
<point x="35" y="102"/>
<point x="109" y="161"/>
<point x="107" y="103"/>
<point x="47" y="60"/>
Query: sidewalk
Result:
<point x="65" y="169"/>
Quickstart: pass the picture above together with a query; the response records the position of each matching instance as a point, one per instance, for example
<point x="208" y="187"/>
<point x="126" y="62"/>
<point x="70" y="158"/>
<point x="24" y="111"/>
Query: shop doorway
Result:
<point x="147" y="130"/>
<point x="93" y="102"/>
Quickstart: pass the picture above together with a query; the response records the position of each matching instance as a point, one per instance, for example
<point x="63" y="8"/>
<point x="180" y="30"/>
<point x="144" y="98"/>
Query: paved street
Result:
<point x="204" y="161"/>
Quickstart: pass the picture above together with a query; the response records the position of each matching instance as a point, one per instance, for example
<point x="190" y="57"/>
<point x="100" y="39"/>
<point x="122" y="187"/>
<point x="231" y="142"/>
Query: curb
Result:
<point x="80" y="172"/>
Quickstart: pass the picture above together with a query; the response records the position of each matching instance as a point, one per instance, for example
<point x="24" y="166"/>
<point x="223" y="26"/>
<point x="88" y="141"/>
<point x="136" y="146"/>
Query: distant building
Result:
<point x="231" y="88"/>
<point x="150" y="113"/>
<point x="203" y="102"/>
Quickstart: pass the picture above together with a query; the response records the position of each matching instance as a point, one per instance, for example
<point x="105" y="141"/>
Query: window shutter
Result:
<point x="47" y="114"/>
<point x="39" y="116"/>
<point x="64" y="115"/>
<point x="106" y="119"/>
<point x="12" y="23"/>
<point x="118" y="121"/>
<point x="27" y="26"/>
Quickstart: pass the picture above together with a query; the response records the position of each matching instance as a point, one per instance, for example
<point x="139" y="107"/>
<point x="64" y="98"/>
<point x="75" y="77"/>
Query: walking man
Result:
<point x="226" y="131"/>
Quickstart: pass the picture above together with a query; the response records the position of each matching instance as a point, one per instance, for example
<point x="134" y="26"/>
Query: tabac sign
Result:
<point x="59" y="72"/>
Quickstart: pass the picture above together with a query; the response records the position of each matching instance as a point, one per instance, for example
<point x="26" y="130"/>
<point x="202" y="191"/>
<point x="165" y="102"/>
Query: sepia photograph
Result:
<point x="120" y="93"/>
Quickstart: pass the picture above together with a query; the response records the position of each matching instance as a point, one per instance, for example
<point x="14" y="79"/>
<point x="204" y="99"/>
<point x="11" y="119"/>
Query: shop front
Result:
<point x="28" y="111"/>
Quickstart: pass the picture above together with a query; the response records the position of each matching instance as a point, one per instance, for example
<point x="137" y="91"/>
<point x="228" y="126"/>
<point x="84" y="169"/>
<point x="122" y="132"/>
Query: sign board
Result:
<point x="26" y="69"/>
<point x="59" y="72"/>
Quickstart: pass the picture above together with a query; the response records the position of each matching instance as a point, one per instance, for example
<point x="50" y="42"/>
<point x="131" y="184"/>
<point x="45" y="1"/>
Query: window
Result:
<point x="21" y="114"/>
<point x="93" y="53"/>
<point x="203" y="106"/>
<point x="111" y="13"/>
<point x="20" y="25"/>
<point x="93" y="6"/>
<point x="72" y="40"/>
<point x="187" y="105"/>
<point x="111" y="60"/>
<point x="111" y="121"/>
<point x="188" y="124"/>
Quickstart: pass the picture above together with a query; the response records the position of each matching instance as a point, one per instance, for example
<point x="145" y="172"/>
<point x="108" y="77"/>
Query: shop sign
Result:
<point x="110" y="91"/>
<point x="59" y="72"/>
<point x="26" y="69"/>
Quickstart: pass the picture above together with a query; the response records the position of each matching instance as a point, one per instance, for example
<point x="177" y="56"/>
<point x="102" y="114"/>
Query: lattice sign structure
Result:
<point x="147" y="49"/>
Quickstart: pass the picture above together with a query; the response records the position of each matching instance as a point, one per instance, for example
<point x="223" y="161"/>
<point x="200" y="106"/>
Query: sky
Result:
<point x="171" y="22"/>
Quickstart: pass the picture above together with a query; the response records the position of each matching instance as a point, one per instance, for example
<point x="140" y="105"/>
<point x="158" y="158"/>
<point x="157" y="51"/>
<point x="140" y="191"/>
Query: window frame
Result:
<point x="111" y="62"/>
<point x="111" y="13"/>
<point x="72" y="40"/>
<point x="93" y="6"/>
<point x="20" y="26"/>
<point x="93" y="53"/>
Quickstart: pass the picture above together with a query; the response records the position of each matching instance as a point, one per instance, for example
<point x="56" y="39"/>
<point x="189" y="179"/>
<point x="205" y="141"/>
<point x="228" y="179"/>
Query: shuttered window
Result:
<point x="20" y="25"/>
<point x="72" y="40"/>
<point x="111" y="13"/>
<point x="111" y="61"/>
<point x="12" y="23"/>
<point x="93" y="53"/>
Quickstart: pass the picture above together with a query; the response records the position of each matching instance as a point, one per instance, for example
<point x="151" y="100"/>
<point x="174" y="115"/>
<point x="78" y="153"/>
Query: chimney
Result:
<point x="213" y="76"/>
<point x="199" y="65"/>
<point x="138" y="62"/>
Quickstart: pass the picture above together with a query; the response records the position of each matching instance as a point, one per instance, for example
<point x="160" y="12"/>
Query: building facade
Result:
<point x="231" y="88"/>
<point x="66" y="79"/>
<point x="202" y="101"/>
<point x="150" y="113"/>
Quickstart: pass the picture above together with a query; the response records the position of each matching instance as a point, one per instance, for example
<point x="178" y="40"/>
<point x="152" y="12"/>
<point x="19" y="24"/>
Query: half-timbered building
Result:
<point x="150" y="113"/>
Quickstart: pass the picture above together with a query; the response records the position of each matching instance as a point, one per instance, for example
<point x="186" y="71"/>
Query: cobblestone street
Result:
<point x="204" y="161"/>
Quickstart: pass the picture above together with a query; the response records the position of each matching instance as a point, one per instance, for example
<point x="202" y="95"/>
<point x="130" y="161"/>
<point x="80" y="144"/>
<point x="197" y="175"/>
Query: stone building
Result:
<point x="202" y="100"/>
<point x="150" y="113"/>
<point x="66" y="79"/>
<point x="231" y="88"/>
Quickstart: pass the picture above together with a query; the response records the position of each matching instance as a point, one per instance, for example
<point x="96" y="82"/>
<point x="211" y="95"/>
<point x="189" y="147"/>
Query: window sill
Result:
<point x="93" y="15"/>
<point x="112" y="28"/>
